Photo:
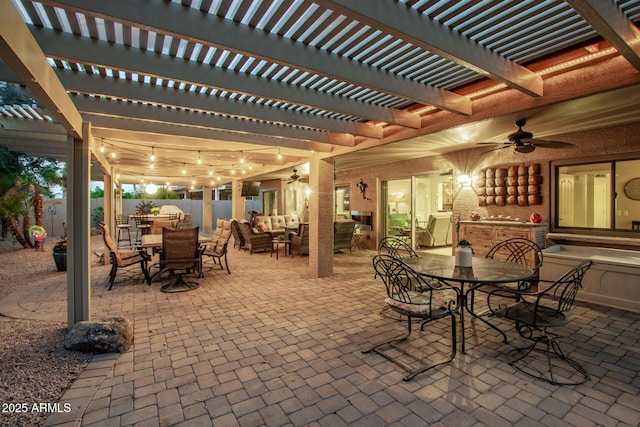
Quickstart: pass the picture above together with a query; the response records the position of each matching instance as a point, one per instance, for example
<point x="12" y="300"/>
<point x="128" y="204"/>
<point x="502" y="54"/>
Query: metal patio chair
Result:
<point x="534" y="314"/>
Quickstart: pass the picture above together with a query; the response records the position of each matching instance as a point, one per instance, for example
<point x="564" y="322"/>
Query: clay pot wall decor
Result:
<point x="513" y="185"/>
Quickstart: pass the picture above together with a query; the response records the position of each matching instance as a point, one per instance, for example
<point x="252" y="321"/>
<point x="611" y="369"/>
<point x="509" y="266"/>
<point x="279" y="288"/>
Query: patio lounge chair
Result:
<point x="217" y="250"/>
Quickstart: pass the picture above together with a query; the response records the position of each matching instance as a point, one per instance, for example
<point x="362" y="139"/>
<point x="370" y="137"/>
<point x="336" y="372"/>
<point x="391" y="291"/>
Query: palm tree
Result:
<point x="12" y="207"/>
<point x="22" y="190"/>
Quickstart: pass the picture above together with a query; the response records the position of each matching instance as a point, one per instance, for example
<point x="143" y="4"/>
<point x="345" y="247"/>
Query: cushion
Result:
<point x="266" y="220"/>
<point x="279" y="221"/>
<point x="262" y="226"/>
<point x="420" y="305"/>
<point x="254" y="230"/>
<point x="291" y="220"/>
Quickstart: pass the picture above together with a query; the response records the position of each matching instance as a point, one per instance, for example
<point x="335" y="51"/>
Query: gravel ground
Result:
<point x="34" y="366"/>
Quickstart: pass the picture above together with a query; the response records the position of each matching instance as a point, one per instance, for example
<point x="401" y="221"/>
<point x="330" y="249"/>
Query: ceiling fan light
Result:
<point x="528" y="148"/>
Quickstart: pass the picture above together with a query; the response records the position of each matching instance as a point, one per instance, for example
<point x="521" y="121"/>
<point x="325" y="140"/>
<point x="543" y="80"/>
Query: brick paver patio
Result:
<point x="268" y="345"/>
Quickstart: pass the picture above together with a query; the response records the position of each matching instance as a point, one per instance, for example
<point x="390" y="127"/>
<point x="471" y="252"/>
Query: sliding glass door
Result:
<point x="418" y="207"/>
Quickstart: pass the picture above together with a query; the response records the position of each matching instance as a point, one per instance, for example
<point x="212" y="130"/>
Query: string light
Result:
<point x="241" y="157"/>
<point x="279" y="155"/>
<point x="184" y="169"/>
<point x="210" y="170"/>
<point x="102" y="147"/>
<point x="153" y="154"/>
<point x="199" y="160"/>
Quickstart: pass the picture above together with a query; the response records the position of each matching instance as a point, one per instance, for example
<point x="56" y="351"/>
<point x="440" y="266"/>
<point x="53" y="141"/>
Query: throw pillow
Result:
<point x="262" y="226"/>
<point x="255" y="230"/>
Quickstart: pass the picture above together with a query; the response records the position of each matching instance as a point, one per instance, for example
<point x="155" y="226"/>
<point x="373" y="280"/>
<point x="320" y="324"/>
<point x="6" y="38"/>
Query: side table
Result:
<point x="355" y="241"/>
<point x="275" y="246"/>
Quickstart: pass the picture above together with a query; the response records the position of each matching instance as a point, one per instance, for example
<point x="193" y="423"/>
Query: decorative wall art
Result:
<point x="512" y="185"/>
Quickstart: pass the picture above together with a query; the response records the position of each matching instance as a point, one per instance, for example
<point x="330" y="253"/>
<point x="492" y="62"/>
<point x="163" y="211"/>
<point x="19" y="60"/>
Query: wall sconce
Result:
<point x="362" y="186"/>
<point x="464" y="180"/>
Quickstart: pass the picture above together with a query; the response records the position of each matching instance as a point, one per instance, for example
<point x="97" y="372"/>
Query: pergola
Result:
<point x="230" y="90"/>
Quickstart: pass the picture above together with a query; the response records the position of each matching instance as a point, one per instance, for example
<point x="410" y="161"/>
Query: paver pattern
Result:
<point x="269" y="345"/>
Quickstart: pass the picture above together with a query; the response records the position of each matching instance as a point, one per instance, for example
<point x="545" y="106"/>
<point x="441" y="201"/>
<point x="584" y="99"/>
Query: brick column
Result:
<point x="321" y="217"/>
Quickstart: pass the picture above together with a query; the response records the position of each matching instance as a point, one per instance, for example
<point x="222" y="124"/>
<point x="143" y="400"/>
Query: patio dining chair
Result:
<point x="123" y="259"/>
<point x="217" y="250"/>
<point x="395" y="247"/>
<point x="518" y="250"/>
<point x="534" y="314"/>
<point x="412" y="296"/>
<point x="142" y="226"/>
<point x="180" y="252"/>
<point x="399" y="249"/>
<point x="122" y="224"/>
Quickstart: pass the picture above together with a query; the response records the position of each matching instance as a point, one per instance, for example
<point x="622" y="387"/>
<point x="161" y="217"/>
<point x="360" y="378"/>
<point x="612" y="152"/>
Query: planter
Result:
<point x="60" y="259"/>
<point x="463" y="256"/>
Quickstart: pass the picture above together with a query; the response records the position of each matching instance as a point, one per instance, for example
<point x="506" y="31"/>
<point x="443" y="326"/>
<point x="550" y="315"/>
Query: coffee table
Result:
<point x="275" y="245"/>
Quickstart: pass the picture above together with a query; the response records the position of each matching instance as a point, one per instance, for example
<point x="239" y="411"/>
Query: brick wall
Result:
<point x="611" y="140"/>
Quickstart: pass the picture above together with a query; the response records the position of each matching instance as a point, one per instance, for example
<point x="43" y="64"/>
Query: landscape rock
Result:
<point x="112" y="335"/>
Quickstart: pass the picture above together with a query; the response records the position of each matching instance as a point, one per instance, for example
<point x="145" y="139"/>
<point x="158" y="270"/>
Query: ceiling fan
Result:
<point x="523" y="142"/>
<point x="297" y="178"/>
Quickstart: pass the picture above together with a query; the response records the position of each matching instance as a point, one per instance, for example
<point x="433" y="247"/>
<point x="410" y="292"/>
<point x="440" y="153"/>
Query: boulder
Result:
<point x="112" y="335"/>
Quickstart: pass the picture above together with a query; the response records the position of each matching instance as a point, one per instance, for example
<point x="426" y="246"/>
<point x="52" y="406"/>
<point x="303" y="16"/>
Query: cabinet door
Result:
<point x="481" y="238"/>
<point x="505" y="233"/>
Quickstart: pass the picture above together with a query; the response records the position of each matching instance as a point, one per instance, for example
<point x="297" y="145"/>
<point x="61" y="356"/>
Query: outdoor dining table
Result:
<point x="155" y="240"/>
<point x="484" y="271"/>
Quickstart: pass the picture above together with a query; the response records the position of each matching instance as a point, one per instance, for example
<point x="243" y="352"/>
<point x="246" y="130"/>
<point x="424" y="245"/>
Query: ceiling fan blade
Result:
<point x="507" y="145"/>
<point x="552" y="144"/>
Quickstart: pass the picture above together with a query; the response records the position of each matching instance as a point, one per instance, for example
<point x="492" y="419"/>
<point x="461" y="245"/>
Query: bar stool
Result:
<point x="122" y="224"/>
<point x="143" y="227"/>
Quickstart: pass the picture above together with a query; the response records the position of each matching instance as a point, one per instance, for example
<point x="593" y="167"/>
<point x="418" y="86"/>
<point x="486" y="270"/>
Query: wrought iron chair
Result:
<point x="122" y="224"/>
<point x="180" y="251"/>
<point x="122" y="259"/>
<point x="395" y="247"/>
<point x="534" y="313"/>
<point x="518" y="250"/>
<point x="218" y="248"/>
<point x="411" y="295"/>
